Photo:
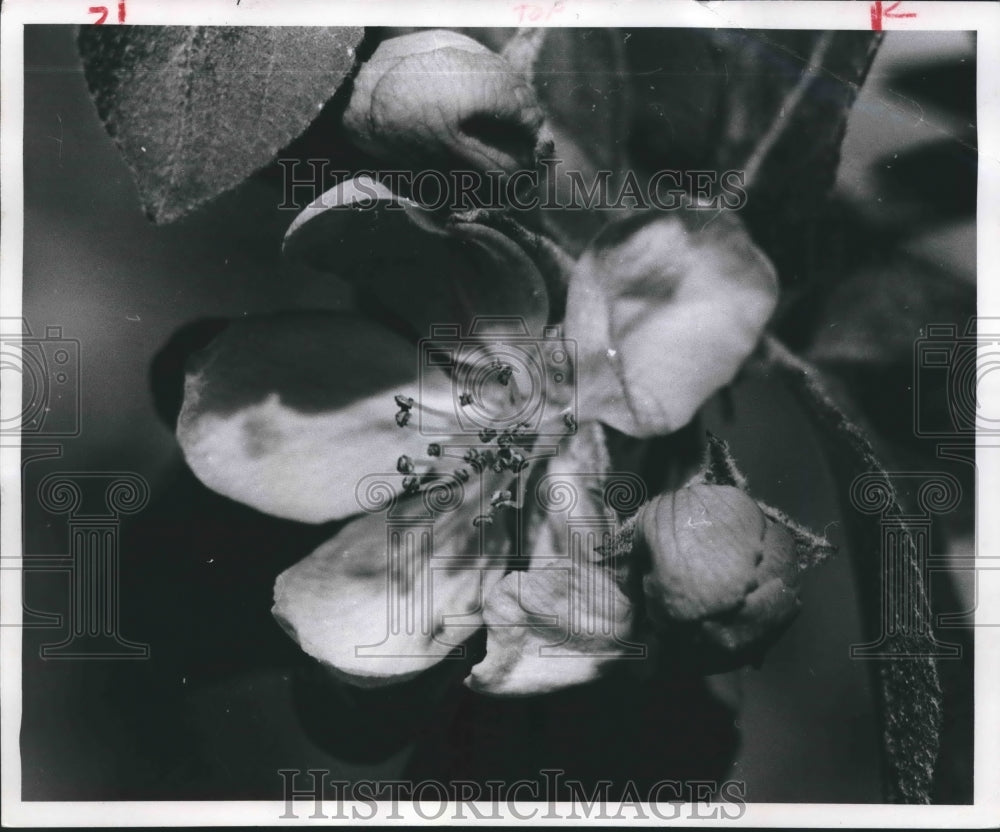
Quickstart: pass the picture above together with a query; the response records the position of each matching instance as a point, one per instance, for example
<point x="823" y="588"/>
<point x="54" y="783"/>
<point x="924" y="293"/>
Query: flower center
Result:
<point x="500" y="449"/>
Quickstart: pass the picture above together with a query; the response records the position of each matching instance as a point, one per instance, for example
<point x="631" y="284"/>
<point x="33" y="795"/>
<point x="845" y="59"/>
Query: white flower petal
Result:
<point x="396" y="591"/>
<point x="423" y="272"/>
<point x="287" y="413"/>
<point x="664" y="310"/>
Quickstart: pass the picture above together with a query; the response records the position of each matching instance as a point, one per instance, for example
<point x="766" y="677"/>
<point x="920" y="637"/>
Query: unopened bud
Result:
<point x="715" y="562"/>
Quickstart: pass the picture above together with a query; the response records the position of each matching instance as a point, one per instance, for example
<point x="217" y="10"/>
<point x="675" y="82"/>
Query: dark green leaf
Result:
<point x="908" y="684"/>
<point x="939" y="177"/>
<point x="868" y="328"/>
<point x="784" y="113"/>
<point x="196" y="110"/>
<point x="950" y="85"/>
<point x="676" y="81"/>
<point x="720" y="467"/>
<point x="785" y="106"/>
<point x="875" y="315"/>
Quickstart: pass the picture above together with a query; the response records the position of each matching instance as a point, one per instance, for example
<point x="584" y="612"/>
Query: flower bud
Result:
<point x="720" y="574"/>
<point x="440" y="100"/>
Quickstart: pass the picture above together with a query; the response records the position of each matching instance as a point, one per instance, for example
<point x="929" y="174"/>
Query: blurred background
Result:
<point x="225" y="699"/>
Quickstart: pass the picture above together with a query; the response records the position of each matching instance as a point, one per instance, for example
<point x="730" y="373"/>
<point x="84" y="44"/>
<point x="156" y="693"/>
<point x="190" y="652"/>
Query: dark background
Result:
<point x="225" y="699"/>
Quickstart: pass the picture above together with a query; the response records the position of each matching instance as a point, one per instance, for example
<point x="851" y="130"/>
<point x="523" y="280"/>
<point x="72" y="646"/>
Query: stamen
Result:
<point x="502" y="457"/>
<point x="407" y="404"/>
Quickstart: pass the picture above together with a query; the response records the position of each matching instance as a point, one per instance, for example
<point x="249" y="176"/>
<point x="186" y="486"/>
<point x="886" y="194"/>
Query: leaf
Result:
<point x="784" y="114"/>
<point x="677" y="81"/>
<point x="720" y="466"/>
<point x="909" y="689"/>
<point x="772" y="104"/>
<point x="876" y="315"/>
<point x="811" y="549"/>
<point x="937" y="178"/>
<point x="947" y="84"/>
<point x="195" y="110"/>
<point x="868" y="328"/>
<point x="785" y="109"/>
